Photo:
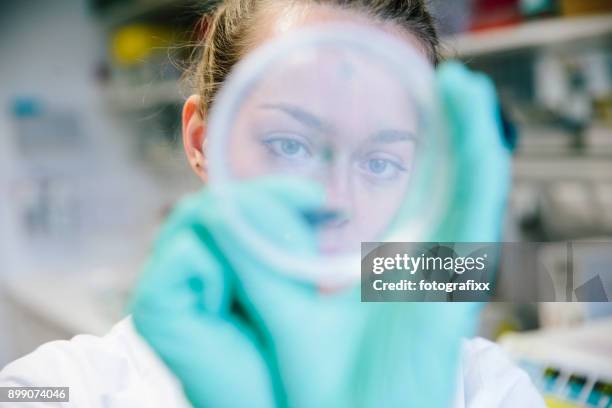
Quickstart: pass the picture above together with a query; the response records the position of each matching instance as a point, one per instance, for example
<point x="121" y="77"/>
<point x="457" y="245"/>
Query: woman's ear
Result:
<point x="194" y="136"/>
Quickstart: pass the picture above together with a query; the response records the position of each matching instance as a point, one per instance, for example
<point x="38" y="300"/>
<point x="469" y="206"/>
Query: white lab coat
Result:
<point x="119" y="370"/>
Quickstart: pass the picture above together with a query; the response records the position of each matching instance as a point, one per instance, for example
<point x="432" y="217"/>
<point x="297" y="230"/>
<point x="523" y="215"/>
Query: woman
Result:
<point x="207" y="345"/>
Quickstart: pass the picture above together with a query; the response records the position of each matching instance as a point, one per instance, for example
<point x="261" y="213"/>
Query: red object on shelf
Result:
<point x="495" y="13"/>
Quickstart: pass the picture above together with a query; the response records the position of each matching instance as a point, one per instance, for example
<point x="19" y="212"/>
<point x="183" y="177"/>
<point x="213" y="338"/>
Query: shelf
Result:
<point x="528" y="35"/>
<point x="540" y="142"/>
<point x="132" y="98"/>
<point x="584" y="349"/>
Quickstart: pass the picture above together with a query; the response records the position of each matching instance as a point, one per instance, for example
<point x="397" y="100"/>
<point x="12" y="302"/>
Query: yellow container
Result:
<point x="582" y="7"/>
<point x="133" y="44"/>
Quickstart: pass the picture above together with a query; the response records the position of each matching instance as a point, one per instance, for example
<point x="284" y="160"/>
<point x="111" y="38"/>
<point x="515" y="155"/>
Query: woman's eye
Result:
<point x="287" y="148"/>
<point x="382" y="169"/>
<point x="378" y="166"/>
<point x="290" y="147"/>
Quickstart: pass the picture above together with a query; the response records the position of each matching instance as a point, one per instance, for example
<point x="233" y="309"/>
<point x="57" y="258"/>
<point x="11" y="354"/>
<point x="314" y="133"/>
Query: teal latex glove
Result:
<point x="237" y="333"/>
<point x="234" y="332"/>
<point x="482" y="162"/>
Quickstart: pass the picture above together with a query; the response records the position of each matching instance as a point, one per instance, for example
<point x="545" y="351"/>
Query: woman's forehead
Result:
<point x="341" y="86"/>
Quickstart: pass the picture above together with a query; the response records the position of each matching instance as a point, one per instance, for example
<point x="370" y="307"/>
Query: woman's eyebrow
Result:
<point x="393" y="135"/>
<point x="302" y="116"/>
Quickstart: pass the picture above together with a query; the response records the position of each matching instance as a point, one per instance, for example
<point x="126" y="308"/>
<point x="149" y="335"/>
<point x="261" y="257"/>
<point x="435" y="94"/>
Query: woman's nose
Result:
<point x="339" y="197"/>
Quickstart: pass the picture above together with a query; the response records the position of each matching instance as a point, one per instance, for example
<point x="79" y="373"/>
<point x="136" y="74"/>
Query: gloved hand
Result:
<point x="481" y="163"/>
<point x="238" y="333"/>
<point x="235" y="332"/>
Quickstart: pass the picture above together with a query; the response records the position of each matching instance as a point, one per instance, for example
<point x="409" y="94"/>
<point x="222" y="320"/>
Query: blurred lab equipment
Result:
<point x="61" y="187"/>
<point x="572" y="366"/>
<point x="79" y="202"/>
<point x="54" y="153"/>
<point x="138" y="52"/>
<point x="69" y="270"/>
<point x="581" y="7"/>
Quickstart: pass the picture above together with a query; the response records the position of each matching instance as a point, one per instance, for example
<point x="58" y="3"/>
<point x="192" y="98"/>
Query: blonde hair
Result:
<point x="229" y="27"/>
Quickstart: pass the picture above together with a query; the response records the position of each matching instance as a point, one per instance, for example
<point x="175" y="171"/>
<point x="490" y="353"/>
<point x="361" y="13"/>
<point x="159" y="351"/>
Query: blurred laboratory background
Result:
<point x="91" y="161"/>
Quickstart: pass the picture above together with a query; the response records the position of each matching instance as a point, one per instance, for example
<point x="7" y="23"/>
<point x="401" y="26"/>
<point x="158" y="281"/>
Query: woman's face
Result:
<point x="334" y="116"/>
